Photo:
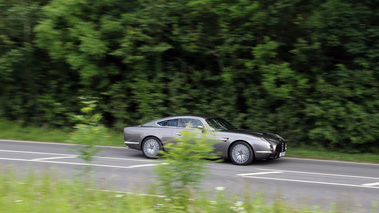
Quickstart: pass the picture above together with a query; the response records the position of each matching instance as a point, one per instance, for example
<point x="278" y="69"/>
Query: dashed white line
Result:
<point x="371" y="184"/>
<point x="142" y="165"/>
<point x="324" y="174"/>
<point x="308" y="181"/>
<point x="53" y="158"/>
<point x="126" y="159"/>
<point x="256" y="176"/>
<point x="100" y="157"/>
<point x="57" y="156"/>
<point x="57" y="143"/>
<point x="259" y="173"/>
<point x="80" y="164"/>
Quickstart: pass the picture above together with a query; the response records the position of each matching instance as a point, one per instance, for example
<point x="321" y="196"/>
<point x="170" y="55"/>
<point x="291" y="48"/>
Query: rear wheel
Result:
<point x="151" y="147"/>
<point x="241" y="153"/>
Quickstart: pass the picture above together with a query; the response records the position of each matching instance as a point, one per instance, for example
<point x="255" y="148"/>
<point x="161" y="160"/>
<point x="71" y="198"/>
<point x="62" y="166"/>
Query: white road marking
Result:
<point x="325" y="174"/>
<point x="142" y="165"/>
<point x="307" y="181"/>
<point x="271" y="171"/>
<point x="53" y="158"/>
<point x="371" y="184"/>
<point x="48" y="153"/>
<point x="63" y="156"/>
<point x="259" y="173"/>
<point x="80" y="164"/>
<point x="127" y="159"/>
<point x="56" y="143"/>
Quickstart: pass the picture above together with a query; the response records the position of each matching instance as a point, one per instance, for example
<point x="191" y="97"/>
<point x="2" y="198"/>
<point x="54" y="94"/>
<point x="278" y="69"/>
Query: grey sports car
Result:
<point x="239" y="145"/>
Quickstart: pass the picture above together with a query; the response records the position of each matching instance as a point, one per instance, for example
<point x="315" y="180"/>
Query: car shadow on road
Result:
<point x="259" y="162"/>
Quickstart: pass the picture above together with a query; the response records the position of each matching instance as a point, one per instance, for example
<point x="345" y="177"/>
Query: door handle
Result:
<point x="224" y="139"/>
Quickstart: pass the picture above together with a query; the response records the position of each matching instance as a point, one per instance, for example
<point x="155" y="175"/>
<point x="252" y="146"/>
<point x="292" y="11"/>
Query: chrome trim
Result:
<point x="130" y="142"/>
<point x="264" y="152"/>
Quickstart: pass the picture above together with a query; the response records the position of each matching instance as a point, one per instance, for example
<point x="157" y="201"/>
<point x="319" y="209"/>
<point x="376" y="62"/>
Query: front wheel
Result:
<point x="151" y="147"/>
<point x="241" y="153"/>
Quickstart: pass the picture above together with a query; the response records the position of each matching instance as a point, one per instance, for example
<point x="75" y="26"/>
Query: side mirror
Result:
<point x="201" y="128"/>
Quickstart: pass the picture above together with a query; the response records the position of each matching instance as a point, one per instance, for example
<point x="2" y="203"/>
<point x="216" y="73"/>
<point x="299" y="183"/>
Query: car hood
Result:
<point x="271" y="137"/>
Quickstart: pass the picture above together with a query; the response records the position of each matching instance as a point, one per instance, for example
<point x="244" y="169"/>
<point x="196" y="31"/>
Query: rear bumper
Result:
<point x="132" y="145"/>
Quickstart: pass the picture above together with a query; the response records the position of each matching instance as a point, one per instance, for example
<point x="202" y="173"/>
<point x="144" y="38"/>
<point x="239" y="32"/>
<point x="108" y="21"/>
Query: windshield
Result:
<point x="220" y="124"/>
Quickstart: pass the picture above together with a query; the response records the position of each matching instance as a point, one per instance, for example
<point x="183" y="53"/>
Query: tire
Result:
<point x="151" y="147"/>
<point x="241" y="153"/>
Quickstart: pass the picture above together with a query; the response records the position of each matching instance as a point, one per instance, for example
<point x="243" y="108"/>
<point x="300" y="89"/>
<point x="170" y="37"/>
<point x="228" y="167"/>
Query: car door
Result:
<point x="187" y="124"/>
<point x="167" y="128"/>
<point x="197" y="127"/>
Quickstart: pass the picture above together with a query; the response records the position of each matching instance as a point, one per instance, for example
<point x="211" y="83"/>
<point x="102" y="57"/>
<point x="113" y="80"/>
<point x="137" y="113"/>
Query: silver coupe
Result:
<point x="241" y="146"/>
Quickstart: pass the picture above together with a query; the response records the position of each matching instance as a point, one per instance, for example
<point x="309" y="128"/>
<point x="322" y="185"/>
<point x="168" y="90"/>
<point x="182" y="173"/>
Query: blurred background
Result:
<point x="307" y="70"/>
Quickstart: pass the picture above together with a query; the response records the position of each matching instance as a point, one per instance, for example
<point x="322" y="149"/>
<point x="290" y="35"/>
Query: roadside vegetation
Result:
<point x="49" y="193"/>
<point x="288" y="67"/>
<point x="185" y="166"/>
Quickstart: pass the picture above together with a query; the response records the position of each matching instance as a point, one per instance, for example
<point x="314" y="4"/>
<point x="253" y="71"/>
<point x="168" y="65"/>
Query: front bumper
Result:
<point x="276" y="152"/>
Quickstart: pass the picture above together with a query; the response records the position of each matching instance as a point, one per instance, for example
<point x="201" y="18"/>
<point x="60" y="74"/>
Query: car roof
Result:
<point x="153" y="122"/>
<point x="190" y="115"/>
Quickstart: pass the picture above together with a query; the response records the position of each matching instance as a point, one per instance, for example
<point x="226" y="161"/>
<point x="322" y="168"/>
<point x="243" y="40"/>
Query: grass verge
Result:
<point x="322" y="154"/>
<point x="49" y="193"/>
<point x="11" y="130"/>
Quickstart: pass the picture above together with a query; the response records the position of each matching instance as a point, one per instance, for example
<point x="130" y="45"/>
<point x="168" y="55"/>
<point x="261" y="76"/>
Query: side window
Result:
<point x="189" y="123"/>
<point x="173" y="122"/>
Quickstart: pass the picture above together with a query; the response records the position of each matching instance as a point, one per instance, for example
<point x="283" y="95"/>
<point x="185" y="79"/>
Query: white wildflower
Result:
<point x="220" y="188"/>
<point x="239" y="203"/>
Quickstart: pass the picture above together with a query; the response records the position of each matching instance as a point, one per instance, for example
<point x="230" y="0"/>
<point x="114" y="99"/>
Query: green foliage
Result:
<point x="88" y="132"/>
<point x="305" y="70"/>
<point x="32" y="87"/>
<point x="185" y="164"/>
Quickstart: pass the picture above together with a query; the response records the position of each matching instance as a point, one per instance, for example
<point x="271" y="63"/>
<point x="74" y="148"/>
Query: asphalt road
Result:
<point x="352" y="187"/>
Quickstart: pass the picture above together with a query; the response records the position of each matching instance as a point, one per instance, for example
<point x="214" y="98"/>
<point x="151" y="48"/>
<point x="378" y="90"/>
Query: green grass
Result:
<point x="319" y="153"/>
<point x="11" y="130"/>
<point x="49" y="193"/>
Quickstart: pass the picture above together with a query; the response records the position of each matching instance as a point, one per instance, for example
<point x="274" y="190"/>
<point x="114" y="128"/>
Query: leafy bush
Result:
<point x="185" y="165"/>
<point x="88" y="132"/>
